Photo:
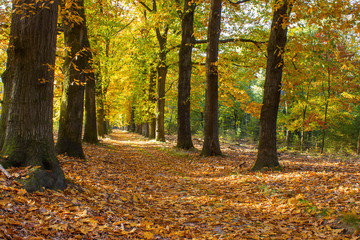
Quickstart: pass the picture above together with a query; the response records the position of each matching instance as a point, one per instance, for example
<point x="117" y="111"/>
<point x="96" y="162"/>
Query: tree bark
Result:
<point x="90" y="128"/>
<point x="152" y="128"/>
<point x="132" y="120"/>
<point x="211" y="144"/>
<point x="145" y="130"/>
<point x="185" y="67"/>
<point x="102" y="85"/>
<point x="7" y="78"/>
<point x="267" y="150"/>
<point x="358" y="144"/>
<point x="100" y="117"/>
<point x="29" y="136"/>
<point x="72" y="102"/>
<point x="152" y="100"/>
<point x="162" y="69"/>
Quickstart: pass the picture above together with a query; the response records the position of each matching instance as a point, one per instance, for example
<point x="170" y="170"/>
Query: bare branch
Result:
<point x="241" y="66"/>
<point x="172" y="83"/>
<point x="232" y="40"/>
<point x="124" y="27"/>
<point x="238" y="2"/>
<point x="146" y="6"/>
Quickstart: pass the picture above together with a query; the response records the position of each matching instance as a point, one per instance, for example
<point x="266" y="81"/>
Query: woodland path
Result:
<point x="134" y="188"/>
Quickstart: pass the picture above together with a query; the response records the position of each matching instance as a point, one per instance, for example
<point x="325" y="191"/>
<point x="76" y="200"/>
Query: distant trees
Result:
<point x="156" y="67"/>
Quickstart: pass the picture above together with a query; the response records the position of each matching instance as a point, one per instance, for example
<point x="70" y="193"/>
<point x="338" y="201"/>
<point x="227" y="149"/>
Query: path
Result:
<point x="133" y="188"/>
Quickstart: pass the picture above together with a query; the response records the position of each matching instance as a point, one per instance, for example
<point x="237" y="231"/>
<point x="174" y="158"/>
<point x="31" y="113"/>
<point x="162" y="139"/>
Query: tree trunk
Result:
<point x="288" y="139"/>
<point x="102" y="85"/>
<point x="267" y="151"/>
<point x="358" y="144"/>
<point x="29" y="136"/>
<point x="7" y="78"/>
<point x="100" y="118"/>
<point x="185" y="67"/>
<point x="211" y="144"/>
<point x="139" y="128"/>
<point x="302" y="139"/>
<point x="162" y="69"/>
<point x="326" y="111"/>
<point x="145" y="129"/>
<point x="152" y="100"/>
<point x="72" y="102"/>
<point x="107" y="127"/>
<point x="132" y="120"/>
<point x="152" y="128"/>
<point x="90" y="128"/>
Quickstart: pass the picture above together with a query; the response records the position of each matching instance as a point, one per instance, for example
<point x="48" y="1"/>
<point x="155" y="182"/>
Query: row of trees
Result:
<point x="129" y="57"/>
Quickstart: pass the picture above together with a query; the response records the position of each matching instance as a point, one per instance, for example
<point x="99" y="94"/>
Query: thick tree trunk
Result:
<point x="211" y="144"/>
<point x="102" y="85"/>
<point x="267" y="151"/>
<point x="90" y="128"/>
<point x="72" y="102"/>
<point x="29" y="136"/>
<point x="185" y="67"/>
<point x="162" y="69"/>
<point x="152" y="129"/>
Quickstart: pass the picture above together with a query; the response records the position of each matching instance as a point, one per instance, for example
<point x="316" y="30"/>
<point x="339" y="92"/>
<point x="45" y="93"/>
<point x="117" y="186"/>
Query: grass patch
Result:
<point x="351" y="220"/>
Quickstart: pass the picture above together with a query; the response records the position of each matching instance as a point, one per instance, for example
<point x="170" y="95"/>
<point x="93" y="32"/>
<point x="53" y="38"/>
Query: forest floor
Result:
<point x="134" y="188"/>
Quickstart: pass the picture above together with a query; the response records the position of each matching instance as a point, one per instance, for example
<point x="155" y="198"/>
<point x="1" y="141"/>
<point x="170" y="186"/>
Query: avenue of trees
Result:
<point x="281" y="73"/>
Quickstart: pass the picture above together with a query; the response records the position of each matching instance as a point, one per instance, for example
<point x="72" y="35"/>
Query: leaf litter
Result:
<point x="134" y="188"/>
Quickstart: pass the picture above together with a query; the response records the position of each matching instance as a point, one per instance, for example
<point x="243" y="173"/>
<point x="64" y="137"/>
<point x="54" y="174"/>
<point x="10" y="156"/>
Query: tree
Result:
<point x="152" y="100"/>
<point x="185" y="67"/>
<point x="75" y="68"/>
<point x="161" y="31"/>
<point x="29" y="137"/>
<point x="90" y="126"/>
<point x="211" y="144"/>
<point x="162" y="69"/>
<point x="267" y="151"/>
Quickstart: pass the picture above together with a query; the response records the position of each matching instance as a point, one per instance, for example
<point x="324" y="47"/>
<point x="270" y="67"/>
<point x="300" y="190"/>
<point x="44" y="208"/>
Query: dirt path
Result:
<point x="133" y="188"/>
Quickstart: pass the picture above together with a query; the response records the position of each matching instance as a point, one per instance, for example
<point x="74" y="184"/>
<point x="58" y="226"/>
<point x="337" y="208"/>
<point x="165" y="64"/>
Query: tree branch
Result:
<point x="3" y="170"/>
<point x="238" y="2"/>
<point x="146" y="6"/>
<point x="124" y="27"/>
<point x="240" y="66"/>
<point x="172" y="83"/>
<point x="232" y="40"/>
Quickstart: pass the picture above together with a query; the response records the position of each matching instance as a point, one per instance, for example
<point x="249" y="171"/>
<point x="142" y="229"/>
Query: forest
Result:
<point x="184" y="119"/>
